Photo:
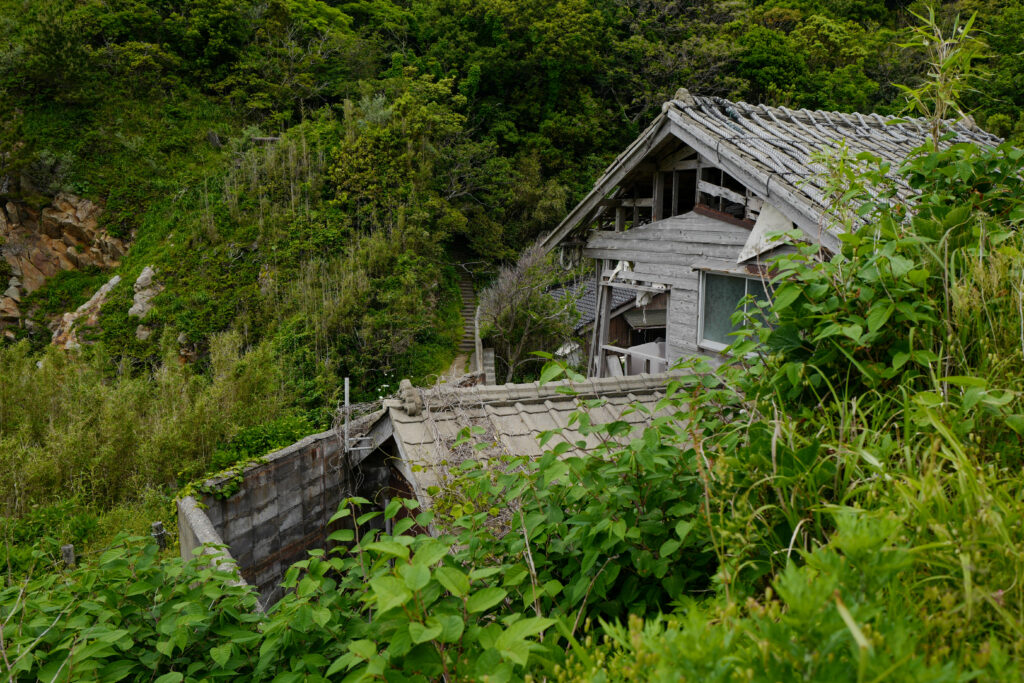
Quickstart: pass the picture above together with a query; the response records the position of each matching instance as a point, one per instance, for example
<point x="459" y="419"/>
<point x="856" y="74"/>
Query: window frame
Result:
<point x="710" y="344"/>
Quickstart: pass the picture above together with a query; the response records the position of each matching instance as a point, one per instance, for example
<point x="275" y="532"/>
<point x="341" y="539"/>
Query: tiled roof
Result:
<point x="767" y="149"/>
<point x="586" y="301"/>
<point x="512" y="418"/>
<point x="779" y="142"/>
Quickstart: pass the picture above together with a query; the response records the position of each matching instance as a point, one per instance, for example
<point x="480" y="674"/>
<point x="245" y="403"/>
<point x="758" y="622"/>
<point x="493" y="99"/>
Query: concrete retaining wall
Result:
<point x="280" y="511"/>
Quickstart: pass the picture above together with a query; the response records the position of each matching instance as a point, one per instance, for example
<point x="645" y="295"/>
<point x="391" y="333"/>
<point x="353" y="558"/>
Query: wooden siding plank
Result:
<point x="672" y="258"/>
<point x="668" y="242"/>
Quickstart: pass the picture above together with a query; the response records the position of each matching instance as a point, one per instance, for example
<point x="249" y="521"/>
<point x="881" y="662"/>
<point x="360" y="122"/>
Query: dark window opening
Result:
<point x="646" y="335"/>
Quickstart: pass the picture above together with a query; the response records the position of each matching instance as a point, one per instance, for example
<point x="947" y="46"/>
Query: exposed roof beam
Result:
<point x="758" y="180"/>
<point x="625" y="164"/>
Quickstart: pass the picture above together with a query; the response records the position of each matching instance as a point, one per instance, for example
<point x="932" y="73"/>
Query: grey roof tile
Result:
<point x="512" y="415"/>
<point x="781" y="141"/>
<point x="585" y="299"/>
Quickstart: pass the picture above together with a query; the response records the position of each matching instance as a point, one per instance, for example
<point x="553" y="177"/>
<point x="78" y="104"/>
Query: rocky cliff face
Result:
<point x="38" y="244"/>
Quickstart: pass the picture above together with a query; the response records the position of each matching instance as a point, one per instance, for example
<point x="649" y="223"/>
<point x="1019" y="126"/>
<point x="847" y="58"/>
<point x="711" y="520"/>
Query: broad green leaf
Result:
<point x="221" y="654"/>
<point x="523" y="628"/>
<point x="390" y="592"/>
<point x="340" y="514"/>
<point x="483" y="573"/>
<point x="669" y="547"/>
<point x="416" y="576"/>
<point x="785" y="296"/>
<point x="173" y="677"/>
<point x="517" y="650"/>
<point x="1016" y="423"/>
<point x="451" y="625"/>
<point x="342" y="536"/>
<point x="346" y="661"/>
<point x="321" y="615"/>
<point x="879" y="314"/>
<point x="515" y="575"/>
<point x="556" y="471"/>
<point x="453" y="580"/>
<point x="485" y="599"/>
<point x="364" y="649"/>
<point x="430" y="553"/>
<point x="421" y="634"/>
<point x="390" y="548"/>
<point x="115" y="671"/>
<point x="550" y="372"/>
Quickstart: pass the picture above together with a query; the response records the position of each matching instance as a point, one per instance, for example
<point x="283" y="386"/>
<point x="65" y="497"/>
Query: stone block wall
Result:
<point x="280" y="511"/>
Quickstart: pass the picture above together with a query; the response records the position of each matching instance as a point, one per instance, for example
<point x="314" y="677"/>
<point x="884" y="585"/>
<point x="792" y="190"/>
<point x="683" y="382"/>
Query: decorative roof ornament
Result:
<point x="682" y="96"/>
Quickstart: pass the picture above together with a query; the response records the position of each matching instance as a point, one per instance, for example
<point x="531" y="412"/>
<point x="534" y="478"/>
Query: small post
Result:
<point x="160" y="535"/>
<point x="67" y="553"/>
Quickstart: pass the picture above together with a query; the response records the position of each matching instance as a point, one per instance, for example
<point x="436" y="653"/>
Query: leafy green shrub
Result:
<point x="843" y="612"/>
<point x="261" y="439"/>
<point x="601" y="535"/>
<point x="43" y="529"/>
<point x="131" y="616"/>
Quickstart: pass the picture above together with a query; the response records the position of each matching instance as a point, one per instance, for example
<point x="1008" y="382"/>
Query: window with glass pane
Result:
<point x="722" y="295"/>
<point x="759" y="291"/>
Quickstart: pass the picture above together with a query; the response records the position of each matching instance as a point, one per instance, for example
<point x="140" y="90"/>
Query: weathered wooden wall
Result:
<point x="665" y="252"/>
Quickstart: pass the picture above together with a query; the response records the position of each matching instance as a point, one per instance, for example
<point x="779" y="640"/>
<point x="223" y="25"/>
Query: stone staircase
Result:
<point x="466" y="345"/>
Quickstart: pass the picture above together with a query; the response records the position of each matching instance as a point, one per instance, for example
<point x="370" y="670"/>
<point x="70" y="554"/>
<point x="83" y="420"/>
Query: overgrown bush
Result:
<point x="68" y="430"/>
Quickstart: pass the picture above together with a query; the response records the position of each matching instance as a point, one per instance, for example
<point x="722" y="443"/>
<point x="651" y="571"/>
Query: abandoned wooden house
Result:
<point x="687" y="211"/>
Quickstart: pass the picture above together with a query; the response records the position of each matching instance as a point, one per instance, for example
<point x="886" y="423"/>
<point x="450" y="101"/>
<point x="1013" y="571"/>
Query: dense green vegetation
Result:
<point x="842" y="504"/>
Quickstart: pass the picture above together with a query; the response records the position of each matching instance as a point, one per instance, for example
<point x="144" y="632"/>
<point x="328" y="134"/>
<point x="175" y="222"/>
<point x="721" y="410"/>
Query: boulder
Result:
<point x="78" y="232"/>
<point x="9" y="311"/>
<point x="70" y="241"/>
<point x="145" y="279"/>
<point x="13" y="262"/>
<point x="44" y="261"/>
<point x="30" y="275"/>
<point x="66" y="263"/>
<point x="50" y="225"/>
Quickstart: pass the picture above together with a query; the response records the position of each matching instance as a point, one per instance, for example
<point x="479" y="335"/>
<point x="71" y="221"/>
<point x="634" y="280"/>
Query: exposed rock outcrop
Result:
<point x="66" y="334"/>
<point x="38" y="244"/>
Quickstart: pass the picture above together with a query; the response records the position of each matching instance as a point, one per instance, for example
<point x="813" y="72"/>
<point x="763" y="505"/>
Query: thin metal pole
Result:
<point x="347" y="409"/>
<point x="478" y="344"/>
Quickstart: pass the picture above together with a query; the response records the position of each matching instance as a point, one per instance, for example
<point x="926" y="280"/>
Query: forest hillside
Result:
<point x="241" y="203"/>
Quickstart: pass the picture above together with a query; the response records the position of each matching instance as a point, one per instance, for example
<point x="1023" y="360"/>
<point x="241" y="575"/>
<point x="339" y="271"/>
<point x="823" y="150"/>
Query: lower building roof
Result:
<point x="509" y="420"/>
